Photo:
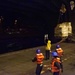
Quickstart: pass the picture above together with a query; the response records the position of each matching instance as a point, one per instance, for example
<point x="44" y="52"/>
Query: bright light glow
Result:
<point x="72" y="5"/>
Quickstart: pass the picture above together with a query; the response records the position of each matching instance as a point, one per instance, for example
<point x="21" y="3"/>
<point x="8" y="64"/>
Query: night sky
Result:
<point x="44" y="13"/>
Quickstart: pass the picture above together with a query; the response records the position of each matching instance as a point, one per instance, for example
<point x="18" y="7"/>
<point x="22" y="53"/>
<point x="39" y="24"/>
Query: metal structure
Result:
<point x="63" y="30"/>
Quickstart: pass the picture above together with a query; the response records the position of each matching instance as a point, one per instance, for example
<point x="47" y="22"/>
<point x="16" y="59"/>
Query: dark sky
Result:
<point x="29" y="5"/>
<point x="35" y="12"/>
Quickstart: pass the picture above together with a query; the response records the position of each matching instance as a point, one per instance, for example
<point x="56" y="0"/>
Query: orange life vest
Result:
<point x="60" y="52"/>
<point x="54" y="68"/>
<point x="40" y="58"/>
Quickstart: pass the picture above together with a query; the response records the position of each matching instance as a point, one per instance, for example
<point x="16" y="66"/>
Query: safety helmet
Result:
<point x="54" y="54"/>
<point x="57" y="46"/>
<point x="49" y="41"/>
<point x="38" y="51"/>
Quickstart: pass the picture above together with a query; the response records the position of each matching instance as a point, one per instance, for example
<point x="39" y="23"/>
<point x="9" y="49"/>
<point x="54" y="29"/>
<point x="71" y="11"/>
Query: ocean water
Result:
<point x="9" y="43"/>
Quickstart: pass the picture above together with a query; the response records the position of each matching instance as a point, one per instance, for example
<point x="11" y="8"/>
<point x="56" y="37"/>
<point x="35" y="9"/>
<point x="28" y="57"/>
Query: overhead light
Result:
<point x="72" y="5"/>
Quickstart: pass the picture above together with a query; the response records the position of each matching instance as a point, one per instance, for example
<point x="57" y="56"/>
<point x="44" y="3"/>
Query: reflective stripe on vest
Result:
<point x="59" y="51"/>
<point x="40" y="58"/>
<point x="54" y="68"/>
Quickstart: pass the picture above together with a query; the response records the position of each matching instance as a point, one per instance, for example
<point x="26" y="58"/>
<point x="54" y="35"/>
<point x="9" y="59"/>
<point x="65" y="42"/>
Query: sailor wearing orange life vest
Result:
<point x="60" y="52"/>
<point x="39" y="59"/>
<point x="55" y="64"/>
